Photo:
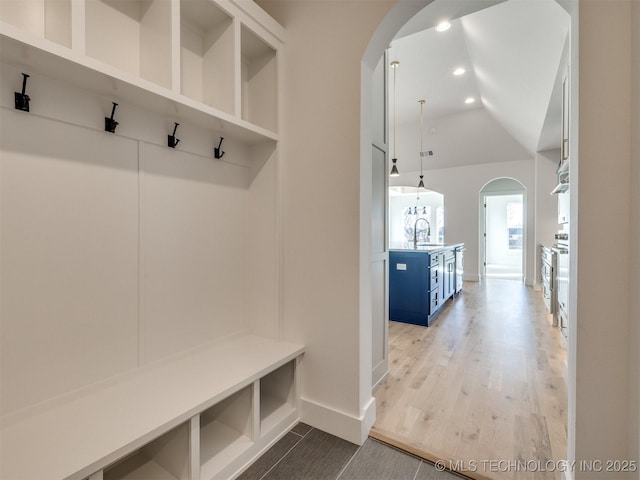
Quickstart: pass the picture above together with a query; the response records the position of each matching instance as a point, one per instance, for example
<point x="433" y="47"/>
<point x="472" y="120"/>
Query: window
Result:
<point x="514" y="225"/>
<point x="411" y="216"/>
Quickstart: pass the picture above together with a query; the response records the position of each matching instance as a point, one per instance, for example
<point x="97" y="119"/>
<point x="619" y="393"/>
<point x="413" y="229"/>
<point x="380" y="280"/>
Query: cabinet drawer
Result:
<point x="435" y="300"/>
<point x="435" y="275"/>
<point x="435" y="260"/>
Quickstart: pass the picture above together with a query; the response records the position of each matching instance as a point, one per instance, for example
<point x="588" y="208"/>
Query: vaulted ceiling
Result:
<point x="510" y="50"/>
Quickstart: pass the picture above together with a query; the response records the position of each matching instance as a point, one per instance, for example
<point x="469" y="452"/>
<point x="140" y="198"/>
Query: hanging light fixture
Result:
<point x="421" y="183"/>
<point x="394" y="168"/>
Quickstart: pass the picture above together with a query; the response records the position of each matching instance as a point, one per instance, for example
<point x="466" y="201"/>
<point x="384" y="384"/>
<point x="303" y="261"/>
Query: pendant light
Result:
<point x="394" y="168"/>
<point x="421" y="183"/>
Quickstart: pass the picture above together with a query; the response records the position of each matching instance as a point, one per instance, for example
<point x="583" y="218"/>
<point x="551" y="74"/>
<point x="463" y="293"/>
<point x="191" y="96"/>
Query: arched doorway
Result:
<point x="503" y="229"/>
<point x="521" y="192"/>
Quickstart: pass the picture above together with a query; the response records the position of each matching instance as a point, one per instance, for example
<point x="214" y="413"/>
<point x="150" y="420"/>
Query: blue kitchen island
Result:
<point x="422" y="279"/>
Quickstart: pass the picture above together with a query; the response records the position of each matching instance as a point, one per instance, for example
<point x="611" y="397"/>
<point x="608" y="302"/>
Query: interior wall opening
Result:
<point x="469" y="148"/>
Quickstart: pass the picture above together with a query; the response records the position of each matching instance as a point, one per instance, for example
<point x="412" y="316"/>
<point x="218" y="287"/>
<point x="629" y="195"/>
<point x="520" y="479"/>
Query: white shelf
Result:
<point x="138" y="467"/>
<point x="51" y="60"/>
<point x="206" y="54"/>
<point x="220" y="444"/>
<point x="166" y="458"/>
<point x="50" y="19"/>
<point x="259" y="81"/>
<point x="275" y="412"/>
<point x="133" y="36"/>
<point x="106" y="423"/>
<point x="276" y="397"/>
<point x="225" y="432"/>
<point x="175" y="58"/>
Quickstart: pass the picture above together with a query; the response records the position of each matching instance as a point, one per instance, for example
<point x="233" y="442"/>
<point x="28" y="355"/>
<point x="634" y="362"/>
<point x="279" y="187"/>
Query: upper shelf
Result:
<point x="183" y="58"/>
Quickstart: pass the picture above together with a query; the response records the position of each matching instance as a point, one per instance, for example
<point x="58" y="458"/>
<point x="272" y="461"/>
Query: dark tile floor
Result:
<point x="306" y="453"/>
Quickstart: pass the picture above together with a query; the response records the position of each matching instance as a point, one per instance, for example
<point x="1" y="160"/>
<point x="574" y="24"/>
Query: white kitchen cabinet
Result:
<point x="563" y="207"/>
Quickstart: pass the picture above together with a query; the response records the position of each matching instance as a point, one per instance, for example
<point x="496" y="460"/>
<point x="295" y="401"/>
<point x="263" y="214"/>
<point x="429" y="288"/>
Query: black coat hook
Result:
<point x="172" y="141"/>
<point x="109" y="123"/>
<point x="217" y="151"/>
<point x="22" y="99"/>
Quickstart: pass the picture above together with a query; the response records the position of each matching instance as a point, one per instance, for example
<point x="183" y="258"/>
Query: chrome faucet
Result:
<point x="415" y="231"/>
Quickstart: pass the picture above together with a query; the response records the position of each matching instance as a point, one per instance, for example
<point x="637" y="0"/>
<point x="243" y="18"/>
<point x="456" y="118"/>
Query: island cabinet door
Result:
<point x="409" y="288"/>
<point x="449" y="275"/>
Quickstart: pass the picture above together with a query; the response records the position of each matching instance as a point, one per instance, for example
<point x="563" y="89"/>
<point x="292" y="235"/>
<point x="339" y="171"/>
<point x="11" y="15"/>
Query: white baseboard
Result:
<point x="341" y="424"/>
<point x="471" y="277"/>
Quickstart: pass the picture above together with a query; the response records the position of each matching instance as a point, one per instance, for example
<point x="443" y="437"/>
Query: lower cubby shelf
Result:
<point x="225" y="432"/>
<point x="138" y="467"/>
<point x="165" y="458"/>
<point x="276" y="397"/>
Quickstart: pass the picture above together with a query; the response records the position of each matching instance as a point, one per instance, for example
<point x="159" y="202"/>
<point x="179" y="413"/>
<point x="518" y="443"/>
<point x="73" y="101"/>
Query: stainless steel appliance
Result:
<point x="561" y="249"/>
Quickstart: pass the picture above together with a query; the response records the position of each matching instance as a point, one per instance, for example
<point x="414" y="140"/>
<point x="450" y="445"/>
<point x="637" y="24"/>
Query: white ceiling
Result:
<point x="511" y="51"/>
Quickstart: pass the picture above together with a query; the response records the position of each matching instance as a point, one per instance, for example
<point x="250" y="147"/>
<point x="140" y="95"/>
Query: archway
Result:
<point x="386" y="31"/>
<point x="503" y="229"/>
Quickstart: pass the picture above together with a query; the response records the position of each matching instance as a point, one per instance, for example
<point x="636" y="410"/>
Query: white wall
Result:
<point x="322" y="195"/>
<point x="461" y="189"/>
<point x="118" y="251"/>
<point x="600" y="319"/>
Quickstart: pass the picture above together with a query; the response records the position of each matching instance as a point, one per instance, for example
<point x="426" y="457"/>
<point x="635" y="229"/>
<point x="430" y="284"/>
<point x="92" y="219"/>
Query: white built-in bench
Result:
<point x="203" y="415"/>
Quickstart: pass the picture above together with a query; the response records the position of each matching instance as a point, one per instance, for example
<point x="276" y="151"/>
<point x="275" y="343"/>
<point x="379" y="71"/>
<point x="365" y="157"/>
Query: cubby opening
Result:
<point x="165" y="458"/>
<point x="276" y="396"/>
<point x="50" y="19"/>
<point x="206" y="54"/>
<point x="225" y="431"/>
<point x="133" y="35"/>
<point x="259" y="81"/>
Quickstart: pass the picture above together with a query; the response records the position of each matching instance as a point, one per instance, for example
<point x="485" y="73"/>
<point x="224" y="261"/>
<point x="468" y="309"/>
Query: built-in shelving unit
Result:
<point x="140" y="435"/>
<point x="204" y="61"/>
<point x="204" y="412"/>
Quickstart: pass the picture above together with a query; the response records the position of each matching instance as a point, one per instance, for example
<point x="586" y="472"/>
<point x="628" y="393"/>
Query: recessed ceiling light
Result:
<point x="469" y="100"/>
<point x="443" y="26"/>
<point x="459" y="71"/>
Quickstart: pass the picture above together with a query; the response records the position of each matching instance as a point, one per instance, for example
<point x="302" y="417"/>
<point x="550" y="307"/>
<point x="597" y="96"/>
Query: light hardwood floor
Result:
<point x="486" y="383"/>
